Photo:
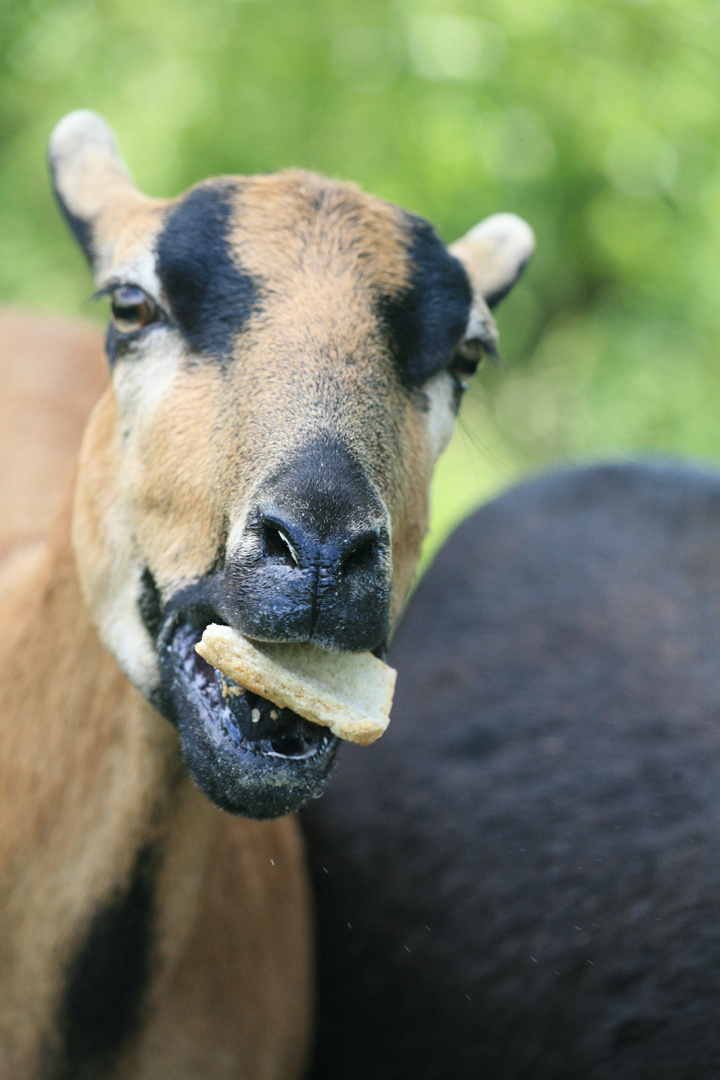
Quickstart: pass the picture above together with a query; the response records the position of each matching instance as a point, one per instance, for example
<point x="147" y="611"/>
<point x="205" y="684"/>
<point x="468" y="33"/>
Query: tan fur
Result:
<point x="170" y="460"/>
<point x="230" y="993"/>
<point x="52" y="373"/>
<point x="237" y="1003"/>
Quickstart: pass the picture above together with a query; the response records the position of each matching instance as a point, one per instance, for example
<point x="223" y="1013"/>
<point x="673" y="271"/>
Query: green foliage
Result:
<point x="597" y="120"/>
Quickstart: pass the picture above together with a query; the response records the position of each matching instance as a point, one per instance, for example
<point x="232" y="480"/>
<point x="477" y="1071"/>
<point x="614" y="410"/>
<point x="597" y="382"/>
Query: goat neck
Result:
<point x="107" y="850"/>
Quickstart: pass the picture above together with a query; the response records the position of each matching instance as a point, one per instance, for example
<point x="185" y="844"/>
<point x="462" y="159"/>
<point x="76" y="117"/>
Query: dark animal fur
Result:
<point x="427" y="320"/>
<point x="210" y="297"/>
<point x="106" y="980"/>
<point x="523" y="880"/>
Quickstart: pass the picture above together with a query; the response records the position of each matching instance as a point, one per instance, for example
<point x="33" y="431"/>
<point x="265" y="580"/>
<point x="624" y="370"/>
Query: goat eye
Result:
<point x="132" y="309"/>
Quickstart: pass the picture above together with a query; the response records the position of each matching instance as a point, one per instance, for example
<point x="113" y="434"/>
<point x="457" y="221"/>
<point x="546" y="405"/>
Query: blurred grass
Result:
<point x="597" y="120"/>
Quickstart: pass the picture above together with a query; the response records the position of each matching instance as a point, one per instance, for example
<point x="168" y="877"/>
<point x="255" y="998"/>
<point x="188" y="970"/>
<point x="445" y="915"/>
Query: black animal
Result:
<point x="523" y="879"/>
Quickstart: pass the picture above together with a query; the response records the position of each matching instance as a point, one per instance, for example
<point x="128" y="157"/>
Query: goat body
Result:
<point x="122" y="887"/>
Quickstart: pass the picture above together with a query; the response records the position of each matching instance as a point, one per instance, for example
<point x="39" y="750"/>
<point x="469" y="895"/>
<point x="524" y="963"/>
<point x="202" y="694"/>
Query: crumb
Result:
<point x="231" y="691"/>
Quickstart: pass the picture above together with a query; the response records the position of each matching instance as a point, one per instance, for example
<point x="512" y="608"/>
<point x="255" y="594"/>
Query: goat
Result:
<point x="526" y="882"/>
<point x="287" y="356"/>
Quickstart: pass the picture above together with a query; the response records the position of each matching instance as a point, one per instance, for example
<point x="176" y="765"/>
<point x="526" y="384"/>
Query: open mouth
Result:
<point x="248" y="756"/>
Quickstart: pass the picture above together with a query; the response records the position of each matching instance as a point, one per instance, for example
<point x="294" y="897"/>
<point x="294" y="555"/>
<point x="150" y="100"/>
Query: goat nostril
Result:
<point x="362" y="555"/>
<point x="287" y="544"/>
<point x="277" y="543"/>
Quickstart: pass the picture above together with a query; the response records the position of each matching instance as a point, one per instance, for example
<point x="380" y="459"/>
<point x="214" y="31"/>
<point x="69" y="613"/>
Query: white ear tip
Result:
<point x="506" y="231"/>
<point x="78" y="130"/>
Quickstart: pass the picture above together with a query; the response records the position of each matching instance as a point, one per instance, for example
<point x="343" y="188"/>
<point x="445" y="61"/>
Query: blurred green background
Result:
<point x="596" y="120"/>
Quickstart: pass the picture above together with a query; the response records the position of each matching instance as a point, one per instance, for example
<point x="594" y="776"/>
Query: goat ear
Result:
<point x="495" y="254"/>
<point x="89" y="178"/>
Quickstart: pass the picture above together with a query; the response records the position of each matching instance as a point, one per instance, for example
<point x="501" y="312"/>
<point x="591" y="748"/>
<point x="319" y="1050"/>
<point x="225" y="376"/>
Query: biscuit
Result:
<point x="350" y="693"/>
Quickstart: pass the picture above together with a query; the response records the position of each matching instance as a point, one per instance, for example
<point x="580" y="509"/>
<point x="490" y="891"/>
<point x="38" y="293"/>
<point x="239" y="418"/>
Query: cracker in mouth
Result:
<point x="350" y="693"/>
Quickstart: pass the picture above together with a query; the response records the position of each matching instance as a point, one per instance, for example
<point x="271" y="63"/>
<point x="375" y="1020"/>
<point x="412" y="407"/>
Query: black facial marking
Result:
<point x="152" y="614"/>
<point x="79" y="227"/>
<point x="210" y="297"/>
<point x="107" y="978"/>
<point x="149" y="604"/>
<point x="428" y="319"/>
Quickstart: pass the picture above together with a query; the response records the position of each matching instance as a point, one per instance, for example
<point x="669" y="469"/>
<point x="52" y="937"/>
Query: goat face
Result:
<point x="287" y="356"/>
